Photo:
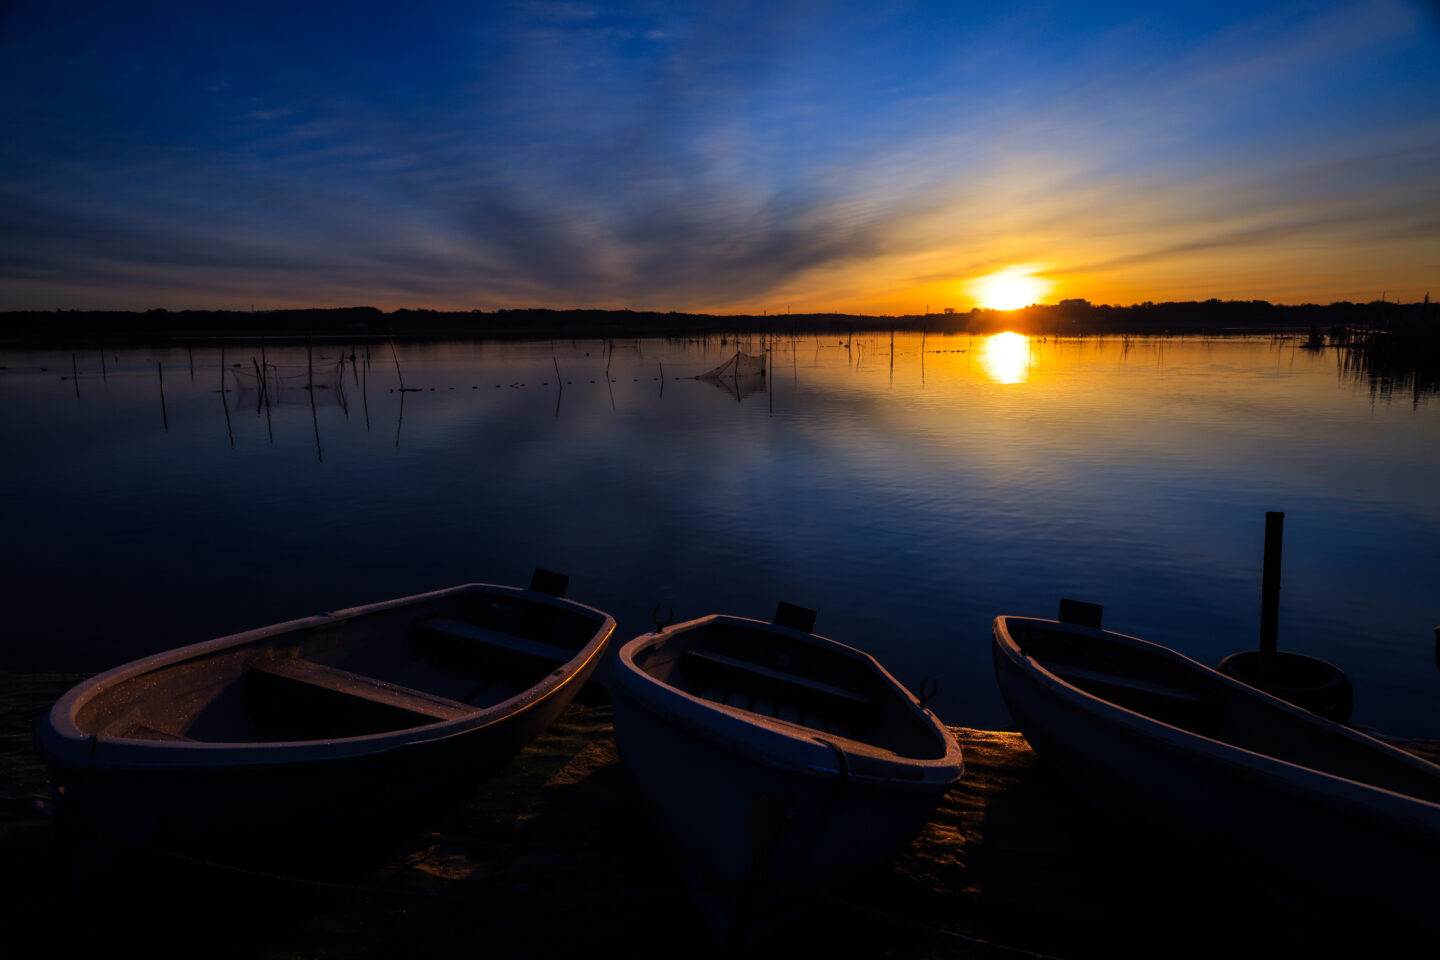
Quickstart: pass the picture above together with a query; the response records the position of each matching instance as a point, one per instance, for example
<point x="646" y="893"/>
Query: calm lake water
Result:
<point x="909" y="496"/>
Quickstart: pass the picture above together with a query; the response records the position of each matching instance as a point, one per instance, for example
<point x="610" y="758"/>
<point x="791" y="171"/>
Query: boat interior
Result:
<point x="810" y="684"/>
<point x="407" y="666"/>
<point x="1150" y="683"/>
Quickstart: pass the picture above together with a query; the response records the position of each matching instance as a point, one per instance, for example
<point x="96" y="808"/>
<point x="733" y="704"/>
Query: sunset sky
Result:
<point x="719" y="157"/>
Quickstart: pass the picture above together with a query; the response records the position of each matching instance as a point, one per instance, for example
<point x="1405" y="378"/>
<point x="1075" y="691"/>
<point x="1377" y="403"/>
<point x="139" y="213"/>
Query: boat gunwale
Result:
<point x="64" y="743"/>
<point x="696" y="716"/>
<point x="1274" y="771"/>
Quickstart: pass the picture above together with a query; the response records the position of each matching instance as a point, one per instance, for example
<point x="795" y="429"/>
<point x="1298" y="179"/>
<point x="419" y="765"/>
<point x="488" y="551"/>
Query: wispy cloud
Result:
<point x="720" y="155"/>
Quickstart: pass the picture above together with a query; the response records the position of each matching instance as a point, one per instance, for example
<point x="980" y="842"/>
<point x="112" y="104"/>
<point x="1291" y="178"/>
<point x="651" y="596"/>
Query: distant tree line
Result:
<point x="1338" y="321"/>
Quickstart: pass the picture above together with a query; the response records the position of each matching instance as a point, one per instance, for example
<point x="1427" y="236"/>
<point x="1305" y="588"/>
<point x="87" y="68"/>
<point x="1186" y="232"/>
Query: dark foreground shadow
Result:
<point x="553" y="857"/>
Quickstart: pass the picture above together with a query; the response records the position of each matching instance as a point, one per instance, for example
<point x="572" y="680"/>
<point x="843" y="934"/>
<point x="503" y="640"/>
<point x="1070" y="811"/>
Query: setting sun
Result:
<point x="1010" y="289"/>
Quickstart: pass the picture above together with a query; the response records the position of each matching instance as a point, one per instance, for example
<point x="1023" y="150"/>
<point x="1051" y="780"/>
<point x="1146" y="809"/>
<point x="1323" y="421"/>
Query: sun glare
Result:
<point x="1010" y="289"/>
<point x="1006" y="357"/>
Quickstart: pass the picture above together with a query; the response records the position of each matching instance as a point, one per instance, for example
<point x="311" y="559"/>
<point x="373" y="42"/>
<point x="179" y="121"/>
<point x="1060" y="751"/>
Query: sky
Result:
<point x="733" y="157"/>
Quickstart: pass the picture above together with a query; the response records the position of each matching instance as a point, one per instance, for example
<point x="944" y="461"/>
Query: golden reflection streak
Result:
<point x="1006" y="357"/>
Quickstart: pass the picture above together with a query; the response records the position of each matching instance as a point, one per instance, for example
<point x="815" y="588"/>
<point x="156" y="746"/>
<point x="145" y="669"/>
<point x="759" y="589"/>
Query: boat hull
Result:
<point x="120" y="801"/>
<point x="1361" y="858"/>
<point x="758" y="818"/>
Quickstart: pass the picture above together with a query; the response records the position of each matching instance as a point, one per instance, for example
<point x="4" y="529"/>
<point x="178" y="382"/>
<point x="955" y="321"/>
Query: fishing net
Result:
<point x="280" y="384"/>
<point x="740" y="376"/>
<point x="740" y="365"/>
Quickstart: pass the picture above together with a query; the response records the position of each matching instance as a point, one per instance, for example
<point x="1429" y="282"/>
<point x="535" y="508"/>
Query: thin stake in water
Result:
<point x="314" y="417"/>
<point x="164" y="418"/>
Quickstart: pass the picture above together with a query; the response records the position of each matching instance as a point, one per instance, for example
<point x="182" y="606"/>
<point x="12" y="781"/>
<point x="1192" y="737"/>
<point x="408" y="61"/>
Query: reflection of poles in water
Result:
<point x="400" y="376"/>
<point x="75" y="374"/>
<point x="314" y="417"/>
<point x="263" y="399"/>
<point x="559" y="382"/>
<point x="400" y="420"/>
<point x="365" y="400"/>
<point x="923" y="332"/>
<point x="164" y="418"/>
<point x="662" y="379"/>
<point x="340" y="388"/>
<point x="769" y="371"/>
<point x="190" y="349"/>
<point x="225" y="404"/>
<point x="259" y="389"/>
<point x="609" y="354"/>
<point x="104" y="376"/>
<point x="892" y="356"/>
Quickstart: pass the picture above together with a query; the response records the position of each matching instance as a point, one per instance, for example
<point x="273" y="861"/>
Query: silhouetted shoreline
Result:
<point x="1067" y="318"/>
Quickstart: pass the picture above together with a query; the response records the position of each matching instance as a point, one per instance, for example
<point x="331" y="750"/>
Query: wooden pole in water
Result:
<point x="1270" y="593"/>
<point x="364" y="388"/>
<point x="398" y="374"/>
<point x="559" y="384"/>
<point x="314" y="417"/>
<point x="224" y="403"/>
<point x="164" y="418"/>
<point x="264" y="398"/>
<point x="75" y="374"/>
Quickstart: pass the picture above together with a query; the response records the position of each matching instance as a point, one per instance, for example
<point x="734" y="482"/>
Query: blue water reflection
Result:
<point x="909" y="495"/>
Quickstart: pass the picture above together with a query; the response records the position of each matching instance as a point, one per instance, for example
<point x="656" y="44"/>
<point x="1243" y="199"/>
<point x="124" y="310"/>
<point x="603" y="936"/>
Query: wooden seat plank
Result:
<point x="1081" y="676"/>
<point x="343" y="683"/>
<point x="780" y="676"/>
<point x="506" y="643"/>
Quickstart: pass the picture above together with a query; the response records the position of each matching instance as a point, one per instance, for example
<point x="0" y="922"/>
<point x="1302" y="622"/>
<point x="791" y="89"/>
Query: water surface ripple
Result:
<point x="908" y="496"/>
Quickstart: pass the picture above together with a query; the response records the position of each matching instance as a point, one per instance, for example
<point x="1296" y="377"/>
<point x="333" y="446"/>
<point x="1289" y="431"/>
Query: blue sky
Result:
<point x="862" y="157"/>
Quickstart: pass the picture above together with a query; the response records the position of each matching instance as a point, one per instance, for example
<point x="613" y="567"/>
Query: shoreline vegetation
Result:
<point x="1337" y="323"/>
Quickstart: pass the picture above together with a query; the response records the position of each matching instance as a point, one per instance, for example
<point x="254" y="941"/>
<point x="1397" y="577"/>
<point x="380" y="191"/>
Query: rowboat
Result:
<point x="1321" y="815"/>
<point x="774" y="762"/>
<point x="271" y="738"/>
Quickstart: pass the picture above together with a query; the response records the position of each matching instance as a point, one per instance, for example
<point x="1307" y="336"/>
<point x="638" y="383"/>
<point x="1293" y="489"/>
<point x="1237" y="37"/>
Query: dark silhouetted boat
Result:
<point x="1320" y="815"/>
<point x="775" y="763"/>
<point x="277" y="736"/>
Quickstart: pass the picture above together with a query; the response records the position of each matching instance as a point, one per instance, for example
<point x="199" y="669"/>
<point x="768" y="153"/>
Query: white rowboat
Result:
<point x="268" y="738"/>
<point x="775" y="763"/>
<point x="1321" y="815"/>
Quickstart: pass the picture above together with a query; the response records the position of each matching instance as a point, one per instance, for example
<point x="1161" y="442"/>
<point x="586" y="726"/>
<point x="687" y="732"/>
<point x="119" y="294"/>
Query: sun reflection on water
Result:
<point x="1006" y="357"/>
